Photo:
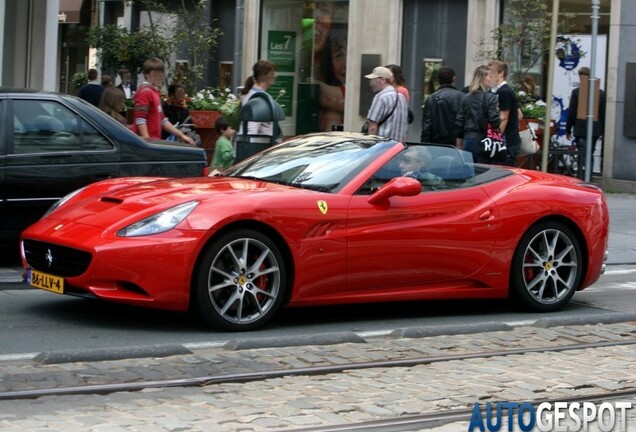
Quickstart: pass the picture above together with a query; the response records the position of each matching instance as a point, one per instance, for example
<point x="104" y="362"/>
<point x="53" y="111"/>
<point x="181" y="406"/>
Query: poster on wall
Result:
<point x="430" y="70"/>
<point x="281" y="50"/>
<point x="572" y="53"/>
<point x="283" y="92"/>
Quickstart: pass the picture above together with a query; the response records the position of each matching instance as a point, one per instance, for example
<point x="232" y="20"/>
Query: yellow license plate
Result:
<point x="45" y="281"/>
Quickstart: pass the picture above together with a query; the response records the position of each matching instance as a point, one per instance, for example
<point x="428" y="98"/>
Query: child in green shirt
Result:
<point x="223" y="151"/>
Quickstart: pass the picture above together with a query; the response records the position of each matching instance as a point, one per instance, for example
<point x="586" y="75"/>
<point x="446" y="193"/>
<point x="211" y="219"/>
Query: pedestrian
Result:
<point x="440" y="110"/>
<point x="529" y="88"/>
<point x="149" y="117"/>
<point x="175" y="107"/>
<point x="576" y="125"/>
<point x="126" y="85"/>
<point x="399" y="82"/>
<point x="508" y="108"/>
<point x="478" y="106"/>
<point x="107" y="81"/>
<point x="223" y="150"/>
<point x="263" y="77"/>
<point x="112" y="103"/>
<point x="388" y="115"/>
<point x="92" y="91"/>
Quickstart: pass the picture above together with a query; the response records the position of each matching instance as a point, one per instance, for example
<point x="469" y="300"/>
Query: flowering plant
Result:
<point x="79" y="79"/>
<point x="530" y="106"/>
<point x="215" y="99"/>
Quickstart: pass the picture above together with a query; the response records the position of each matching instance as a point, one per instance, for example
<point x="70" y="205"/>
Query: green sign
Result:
<point x="281" y="50"/>
<point x="283" y="91"/>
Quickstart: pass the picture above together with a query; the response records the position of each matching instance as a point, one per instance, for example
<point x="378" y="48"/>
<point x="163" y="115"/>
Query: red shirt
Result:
<point x="148" y="110"/>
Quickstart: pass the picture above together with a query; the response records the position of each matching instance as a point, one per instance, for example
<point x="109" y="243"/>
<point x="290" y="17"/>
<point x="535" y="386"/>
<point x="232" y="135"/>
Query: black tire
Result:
<point x="240" y="283"/>
<point x="547" y="267"/>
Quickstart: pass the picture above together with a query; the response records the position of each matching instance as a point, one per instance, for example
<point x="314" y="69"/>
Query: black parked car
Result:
<point x="52" y="144"/>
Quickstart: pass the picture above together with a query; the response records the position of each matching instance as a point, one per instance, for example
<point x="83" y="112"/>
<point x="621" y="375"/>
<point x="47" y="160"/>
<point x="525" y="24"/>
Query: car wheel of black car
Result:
<point x="547" y="266"/>
<point x="240" y="282"/>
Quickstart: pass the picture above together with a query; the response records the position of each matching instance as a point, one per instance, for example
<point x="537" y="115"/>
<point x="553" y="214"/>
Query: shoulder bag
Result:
<point x="529" y="144"/>
<point x="365" y="126"/>
<point x="492" y="146"/>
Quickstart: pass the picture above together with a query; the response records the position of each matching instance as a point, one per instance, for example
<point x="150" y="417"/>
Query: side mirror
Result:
<point x="399" y="186"/>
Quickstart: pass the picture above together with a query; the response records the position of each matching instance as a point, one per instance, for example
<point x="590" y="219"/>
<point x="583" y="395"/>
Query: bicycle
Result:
<point x="563" y="159"/>
<point x="188" y="129"/>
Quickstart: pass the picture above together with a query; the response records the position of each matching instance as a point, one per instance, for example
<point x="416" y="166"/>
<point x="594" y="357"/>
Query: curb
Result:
<point x="96" y="355"/>
<point x="101" y="354"/>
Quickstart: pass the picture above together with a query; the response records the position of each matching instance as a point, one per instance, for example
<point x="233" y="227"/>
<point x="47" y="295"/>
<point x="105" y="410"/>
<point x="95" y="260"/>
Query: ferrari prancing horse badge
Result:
<point x="322" y="206"/>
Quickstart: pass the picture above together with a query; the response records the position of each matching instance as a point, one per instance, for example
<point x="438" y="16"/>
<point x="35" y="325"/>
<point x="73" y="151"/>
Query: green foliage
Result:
<point x="198" y="38"/>
<point x="530" y="106"/>
<point x="118" y="48"/>
<point x="192" y="33"/>
<point x="523" y="40"/>
<point x="79" y="79"/>
<point x="215" y="99"/>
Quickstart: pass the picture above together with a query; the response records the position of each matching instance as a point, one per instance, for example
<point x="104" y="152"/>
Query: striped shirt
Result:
<point x="395" y="126"/>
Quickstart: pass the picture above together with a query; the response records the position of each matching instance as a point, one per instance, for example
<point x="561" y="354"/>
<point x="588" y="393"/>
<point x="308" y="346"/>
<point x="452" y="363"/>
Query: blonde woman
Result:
<point x="478" y="108"/>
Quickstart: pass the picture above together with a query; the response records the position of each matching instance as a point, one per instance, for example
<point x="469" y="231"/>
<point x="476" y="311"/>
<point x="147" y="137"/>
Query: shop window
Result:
<point x="307" y="41"/>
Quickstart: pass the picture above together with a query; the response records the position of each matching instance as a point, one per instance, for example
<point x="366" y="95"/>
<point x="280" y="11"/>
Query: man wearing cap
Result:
<point x="388" y="115"/>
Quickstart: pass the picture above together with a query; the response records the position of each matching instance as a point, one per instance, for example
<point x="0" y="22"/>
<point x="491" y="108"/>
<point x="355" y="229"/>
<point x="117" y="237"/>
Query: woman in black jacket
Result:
<point x="479" y="107"/>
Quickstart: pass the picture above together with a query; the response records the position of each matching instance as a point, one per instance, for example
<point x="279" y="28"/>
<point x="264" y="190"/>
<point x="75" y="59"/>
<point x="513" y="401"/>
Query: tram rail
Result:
<point x="202" y="381"/>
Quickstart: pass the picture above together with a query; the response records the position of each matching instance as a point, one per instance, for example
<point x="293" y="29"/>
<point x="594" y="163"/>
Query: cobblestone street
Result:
<point x="295" y="402"/>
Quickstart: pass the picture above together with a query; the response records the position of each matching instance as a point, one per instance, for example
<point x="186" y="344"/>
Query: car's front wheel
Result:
<point x="241" y="281"/>
<point x="547" y="267"/>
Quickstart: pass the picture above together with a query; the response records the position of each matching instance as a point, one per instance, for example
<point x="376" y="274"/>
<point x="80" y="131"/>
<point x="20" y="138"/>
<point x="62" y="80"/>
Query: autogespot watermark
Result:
<point x="553" y="417"/>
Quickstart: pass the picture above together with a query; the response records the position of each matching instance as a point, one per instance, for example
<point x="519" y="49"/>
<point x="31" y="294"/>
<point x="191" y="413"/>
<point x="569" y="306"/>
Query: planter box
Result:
<point x="204" y="124"/>
<point x="204" y="119"/>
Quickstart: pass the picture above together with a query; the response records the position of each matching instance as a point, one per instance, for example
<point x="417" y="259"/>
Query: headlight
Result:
<point x="61" y="202"/>
<point x="160" y="222"/>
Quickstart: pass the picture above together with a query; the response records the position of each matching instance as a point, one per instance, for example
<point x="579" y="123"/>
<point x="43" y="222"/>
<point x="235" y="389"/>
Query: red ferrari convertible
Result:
<point x="324" y="219"/>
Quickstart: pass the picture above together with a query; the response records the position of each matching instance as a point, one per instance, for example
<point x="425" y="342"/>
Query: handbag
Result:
<point x="529" y="144"/>
<point x="492" y="146"/>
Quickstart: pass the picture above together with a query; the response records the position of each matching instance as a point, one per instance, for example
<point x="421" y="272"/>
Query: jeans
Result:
<point x="581" y="146"/>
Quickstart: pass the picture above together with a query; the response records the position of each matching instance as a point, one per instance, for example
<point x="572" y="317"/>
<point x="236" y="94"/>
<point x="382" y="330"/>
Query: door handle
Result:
<point x="487" y="215"/>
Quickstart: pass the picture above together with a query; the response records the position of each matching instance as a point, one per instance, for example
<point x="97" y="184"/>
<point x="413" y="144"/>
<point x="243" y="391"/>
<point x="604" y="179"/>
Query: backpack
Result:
<point x="443" y="120"/>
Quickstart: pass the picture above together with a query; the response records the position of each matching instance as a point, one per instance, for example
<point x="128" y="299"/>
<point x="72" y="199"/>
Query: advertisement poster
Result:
<point x="283" y="92"/>
<point x="430" y="84"/>
<point x="281" y="50"/>
<point x="572" y="53"/>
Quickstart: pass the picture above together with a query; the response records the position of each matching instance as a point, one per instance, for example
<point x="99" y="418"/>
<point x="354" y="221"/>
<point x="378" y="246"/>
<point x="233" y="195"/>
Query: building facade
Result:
<point x="326" y="48"/>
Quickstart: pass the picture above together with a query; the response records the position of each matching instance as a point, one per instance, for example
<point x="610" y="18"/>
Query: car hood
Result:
<point x="139" y="200"/>
<point x="175" y="190"/>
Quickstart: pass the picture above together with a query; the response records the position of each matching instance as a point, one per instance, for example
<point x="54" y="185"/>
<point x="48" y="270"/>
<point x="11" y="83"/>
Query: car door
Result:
<point x="419" y="241"/>
<point x="51" y="151"/>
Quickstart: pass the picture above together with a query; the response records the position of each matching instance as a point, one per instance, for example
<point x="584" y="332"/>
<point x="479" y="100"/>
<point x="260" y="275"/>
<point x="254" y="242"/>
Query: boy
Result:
<point x="149" y="117"/>
<point x="223" y="151"/>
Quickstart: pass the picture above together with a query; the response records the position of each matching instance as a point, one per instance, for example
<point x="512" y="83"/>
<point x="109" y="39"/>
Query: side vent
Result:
<point x="320" y="230"/>
<point x="112" y="200"/>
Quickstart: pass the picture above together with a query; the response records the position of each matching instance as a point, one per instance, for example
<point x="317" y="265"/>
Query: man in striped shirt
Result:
<point x="388" y="115"/>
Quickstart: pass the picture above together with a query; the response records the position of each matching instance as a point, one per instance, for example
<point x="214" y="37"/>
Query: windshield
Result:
<point x="324" y="162"/>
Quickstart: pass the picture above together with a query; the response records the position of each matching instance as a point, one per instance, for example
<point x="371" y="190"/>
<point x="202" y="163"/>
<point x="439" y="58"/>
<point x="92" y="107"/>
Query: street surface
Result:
<point x="53" y="342"/>
<point x="343" y="398"/>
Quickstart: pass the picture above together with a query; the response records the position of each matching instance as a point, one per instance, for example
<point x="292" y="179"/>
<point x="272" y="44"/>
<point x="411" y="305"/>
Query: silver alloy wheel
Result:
<point x="244" y="280"/>
<point x="550" y="266"/>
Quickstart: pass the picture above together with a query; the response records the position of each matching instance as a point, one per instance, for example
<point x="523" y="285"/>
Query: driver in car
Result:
<point x="414" y="163"/>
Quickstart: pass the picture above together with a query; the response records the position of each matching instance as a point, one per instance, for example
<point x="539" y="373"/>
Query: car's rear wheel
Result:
<point x="240" y="282"/>
<point x="547" y="266"/>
